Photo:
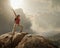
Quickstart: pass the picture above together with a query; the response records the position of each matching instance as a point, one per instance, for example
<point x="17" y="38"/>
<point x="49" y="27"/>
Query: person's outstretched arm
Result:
<point x="14" y="12"/>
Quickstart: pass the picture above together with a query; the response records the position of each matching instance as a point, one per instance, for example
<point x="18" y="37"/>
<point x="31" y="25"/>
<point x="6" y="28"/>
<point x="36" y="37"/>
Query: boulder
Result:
<point x="34" y="42"/>
<point x="24" y="40"/>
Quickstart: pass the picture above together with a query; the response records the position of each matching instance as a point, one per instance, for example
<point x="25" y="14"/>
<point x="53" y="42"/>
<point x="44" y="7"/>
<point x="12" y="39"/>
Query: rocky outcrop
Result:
<point x="7" y="42"/>
<point x="24" y="40"/>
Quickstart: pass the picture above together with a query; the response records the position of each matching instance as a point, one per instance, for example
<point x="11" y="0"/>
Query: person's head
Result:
<point x="18" y="16"/>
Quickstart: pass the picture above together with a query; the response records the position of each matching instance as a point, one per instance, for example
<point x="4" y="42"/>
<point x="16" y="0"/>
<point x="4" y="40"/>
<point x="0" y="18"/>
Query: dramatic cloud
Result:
<point x="7" y="18"/>
<point x="46" y="15"/>
<point x="39" y="16"/>
<point x="24" y="21"/>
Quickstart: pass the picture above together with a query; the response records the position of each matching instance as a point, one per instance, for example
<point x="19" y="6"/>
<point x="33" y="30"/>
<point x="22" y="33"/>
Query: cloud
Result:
<point x="7" y="19"/>
<point x="25" y="21"/>
<point x="56" y="2"/>
<point x="43" y="17"/>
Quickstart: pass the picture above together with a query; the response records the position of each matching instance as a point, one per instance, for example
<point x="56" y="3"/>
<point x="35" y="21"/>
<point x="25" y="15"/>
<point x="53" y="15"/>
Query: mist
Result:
<point x="44" y="16"/>
<point x="38" y="17"/>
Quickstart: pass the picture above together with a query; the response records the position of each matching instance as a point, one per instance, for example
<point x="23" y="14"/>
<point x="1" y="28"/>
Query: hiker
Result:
<point x="17" y="23"/>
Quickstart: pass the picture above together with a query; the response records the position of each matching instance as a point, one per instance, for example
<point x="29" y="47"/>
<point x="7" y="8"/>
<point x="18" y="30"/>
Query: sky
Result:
<point x="43" y="16"/>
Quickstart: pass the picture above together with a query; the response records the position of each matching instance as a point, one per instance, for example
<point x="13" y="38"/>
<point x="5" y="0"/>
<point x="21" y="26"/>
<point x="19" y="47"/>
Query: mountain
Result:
<point x="24" y="40"/>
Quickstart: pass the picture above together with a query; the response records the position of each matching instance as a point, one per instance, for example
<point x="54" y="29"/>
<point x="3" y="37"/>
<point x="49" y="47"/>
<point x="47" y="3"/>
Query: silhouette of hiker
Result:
<point x="17" y="23"/>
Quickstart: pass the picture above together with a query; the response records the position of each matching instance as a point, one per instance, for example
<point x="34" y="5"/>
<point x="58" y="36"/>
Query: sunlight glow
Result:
<point x="16" y="4"/>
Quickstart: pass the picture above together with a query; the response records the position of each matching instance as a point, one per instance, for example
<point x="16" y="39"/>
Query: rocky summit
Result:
<point x="24" y="40"/>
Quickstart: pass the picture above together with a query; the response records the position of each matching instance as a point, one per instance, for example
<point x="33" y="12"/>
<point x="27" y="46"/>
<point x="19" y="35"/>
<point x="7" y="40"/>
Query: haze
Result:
<point x="44" y="15"/>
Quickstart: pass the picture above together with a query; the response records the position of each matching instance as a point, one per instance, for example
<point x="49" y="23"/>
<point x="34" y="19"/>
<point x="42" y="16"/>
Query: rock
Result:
<point x="17" y="38"/>
<point x="34" y="42"/>
<point x="24" y="40"/>
<point x="5" y="39"/>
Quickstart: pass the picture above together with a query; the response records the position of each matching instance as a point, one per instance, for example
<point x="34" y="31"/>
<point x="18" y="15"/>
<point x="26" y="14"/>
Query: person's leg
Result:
<point x="14" y="28"/>
<point x="21" y="28"/>
<point x="13" y="33"/>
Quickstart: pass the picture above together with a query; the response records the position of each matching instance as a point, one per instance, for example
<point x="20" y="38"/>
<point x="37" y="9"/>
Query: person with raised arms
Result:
<point x="17" y="22"/>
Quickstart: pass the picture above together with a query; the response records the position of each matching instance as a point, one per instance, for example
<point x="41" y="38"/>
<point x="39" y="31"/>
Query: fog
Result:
<point x="38" y="16"/>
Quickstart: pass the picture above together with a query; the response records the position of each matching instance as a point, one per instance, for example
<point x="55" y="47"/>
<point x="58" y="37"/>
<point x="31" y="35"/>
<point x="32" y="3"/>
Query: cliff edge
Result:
<point x="24" y="40"/>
